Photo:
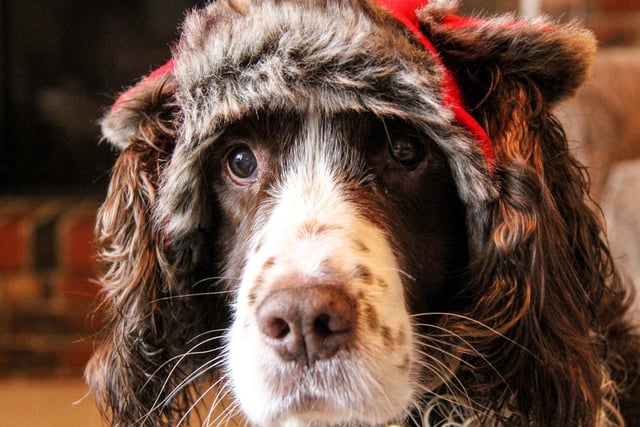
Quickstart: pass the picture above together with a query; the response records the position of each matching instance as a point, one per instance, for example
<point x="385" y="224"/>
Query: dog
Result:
<point x="358" y="213"/>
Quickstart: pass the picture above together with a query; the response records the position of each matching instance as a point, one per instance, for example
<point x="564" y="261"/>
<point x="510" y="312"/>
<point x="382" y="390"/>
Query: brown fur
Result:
<point x="558" y="296"/>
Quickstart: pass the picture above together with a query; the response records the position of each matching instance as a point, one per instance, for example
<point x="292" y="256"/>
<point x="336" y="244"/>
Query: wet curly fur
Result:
<point x="525" y="326"/>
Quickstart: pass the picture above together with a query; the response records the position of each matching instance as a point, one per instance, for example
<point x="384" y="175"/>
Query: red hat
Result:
<point x="405" y="12"/>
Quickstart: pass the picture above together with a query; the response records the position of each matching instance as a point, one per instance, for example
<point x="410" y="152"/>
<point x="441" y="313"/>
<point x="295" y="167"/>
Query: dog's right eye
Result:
<point x="242" y="165"/>
<point x="406" y="151"/>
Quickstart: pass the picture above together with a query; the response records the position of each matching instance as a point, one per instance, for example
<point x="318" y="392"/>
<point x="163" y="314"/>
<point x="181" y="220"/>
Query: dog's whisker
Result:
<point x="224" y="390"/>
<point x="196" y="402"/>
<point x="193" y="351"/>
<point x="192" y="295"/>
<point x="453" y="414"/>
<point x="426" y="341"/>
<point x="214" y="363"/>
<point x="227" y="412"/>
<point x="445" y="374"/>
<point x="468" y="345"/>
<point x="459" y="409"/>
<point x="451" y="382"/>
<point x="411" y="417"/>
<point x="195" y="374"/>
<point x="475" y="322"/>
<point x="180" y="357"/>
<point x="229" y="416"/>
<point x="222" y="332"/>
<point x="216" y="280"/>
<point x="396" y="270"/>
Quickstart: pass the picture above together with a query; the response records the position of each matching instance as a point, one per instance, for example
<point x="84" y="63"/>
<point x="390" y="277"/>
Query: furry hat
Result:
<point x="239" y="57"/>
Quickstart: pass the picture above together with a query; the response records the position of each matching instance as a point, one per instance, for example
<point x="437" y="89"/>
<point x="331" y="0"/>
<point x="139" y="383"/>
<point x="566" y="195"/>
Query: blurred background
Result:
<point x="63" y="63"/>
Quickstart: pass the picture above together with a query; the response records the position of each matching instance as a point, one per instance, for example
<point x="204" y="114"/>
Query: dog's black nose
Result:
<point x="308" y="323"/>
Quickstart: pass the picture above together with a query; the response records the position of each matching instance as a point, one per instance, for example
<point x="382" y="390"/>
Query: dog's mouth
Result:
<point x="310" y="406"/>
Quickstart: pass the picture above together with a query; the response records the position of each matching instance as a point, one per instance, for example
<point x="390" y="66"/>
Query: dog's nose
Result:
<point x="308" y="323"/>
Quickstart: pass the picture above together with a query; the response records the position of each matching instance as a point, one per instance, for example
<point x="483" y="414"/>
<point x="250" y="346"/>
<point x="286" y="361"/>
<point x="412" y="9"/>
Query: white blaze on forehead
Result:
<point x="311" y="192"/>
<point x="311" y="231"/>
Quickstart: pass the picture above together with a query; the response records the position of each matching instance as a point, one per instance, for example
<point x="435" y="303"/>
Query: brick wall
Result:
<point x="47" y="263"/>
<point x="615" y="22"/>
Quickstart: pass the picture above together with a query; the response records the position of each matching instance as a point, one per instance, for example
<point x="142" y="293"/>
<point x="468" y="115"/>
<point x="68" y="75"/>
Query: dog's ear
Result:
<point x="143" y="125"/>
<point x="544" y="277"/>
<point x="496" y="61"/>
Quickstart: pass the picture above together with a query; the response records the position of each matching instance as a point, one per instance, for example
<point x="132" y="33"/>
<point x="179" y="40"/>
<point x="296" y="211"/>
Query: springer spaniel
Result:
<point x="358" y="213"/>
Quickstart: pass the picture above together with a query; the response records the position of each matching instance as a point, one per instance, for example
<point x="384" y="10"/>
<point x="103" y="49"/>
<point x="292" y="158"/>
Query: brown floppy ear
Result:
<point x="142" y="124"/>
<point x="544" y="290"/>
<point x="501" y="59"/>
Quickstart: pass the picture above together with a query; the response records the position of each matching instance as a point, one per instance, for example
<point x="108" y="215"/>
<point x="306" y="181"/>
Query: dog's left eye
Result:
<point x="406" y="151"/>
<point x="242" y="165"/>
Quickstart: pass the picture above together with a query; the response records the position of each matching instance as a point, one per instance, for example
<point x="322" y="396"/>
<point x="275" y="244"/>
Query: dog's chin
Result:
<point x="310" y="410"/>
<point x="341" y="391"/>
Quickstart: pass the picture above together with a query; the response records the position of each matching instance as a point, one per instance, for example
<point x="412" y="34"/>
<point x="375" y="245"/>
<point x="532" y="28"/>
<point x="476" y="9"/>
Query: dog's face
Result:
<point x="304" y="209"/>
<point x="338" y="229"/>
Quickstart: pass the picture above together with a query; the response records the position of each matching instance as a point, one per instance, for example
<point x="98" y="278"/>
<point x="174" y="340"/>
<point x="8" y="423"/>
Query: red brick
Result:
<point x="14" y="243"/>
<point x="77" y="356"/>
<point x="47" y="296"/>
<point x="23" y="288"/>
<point x="619" y="4"/>
<point x="77" y="239"/>
<point x="20" y="219"/>
<point x="77" y="290"/>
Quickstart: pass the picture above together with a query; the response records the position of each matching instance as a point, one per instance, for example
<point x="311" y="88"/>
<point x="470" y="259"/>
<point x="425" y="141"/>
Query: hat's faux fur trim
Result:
<point x="325" y="57"/>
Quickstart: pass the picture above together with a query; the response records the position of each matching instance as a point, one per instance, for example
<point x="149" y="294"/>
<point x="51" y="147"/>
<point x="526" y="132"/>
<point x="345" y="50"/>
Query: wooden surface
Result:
<point x="46" y="402"/>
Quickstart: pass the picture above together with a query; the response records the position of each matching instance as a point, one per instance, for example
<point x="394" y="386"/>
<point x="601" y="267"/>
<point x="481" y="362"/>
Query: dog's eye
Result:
<point x="406" y="151"/>
<point x="242" y="165"/>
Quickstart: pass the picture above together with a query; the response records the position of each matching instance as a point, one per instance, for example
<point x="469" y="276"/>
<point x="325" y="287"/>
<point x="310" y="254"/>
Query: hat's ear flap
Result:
<point x="146" y="100"/>
<point x="494" y="60"/>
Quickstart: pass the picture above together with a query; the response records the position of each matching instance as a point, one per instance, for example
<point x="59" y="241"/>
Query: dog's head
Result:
<point x="303" y="207"/>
